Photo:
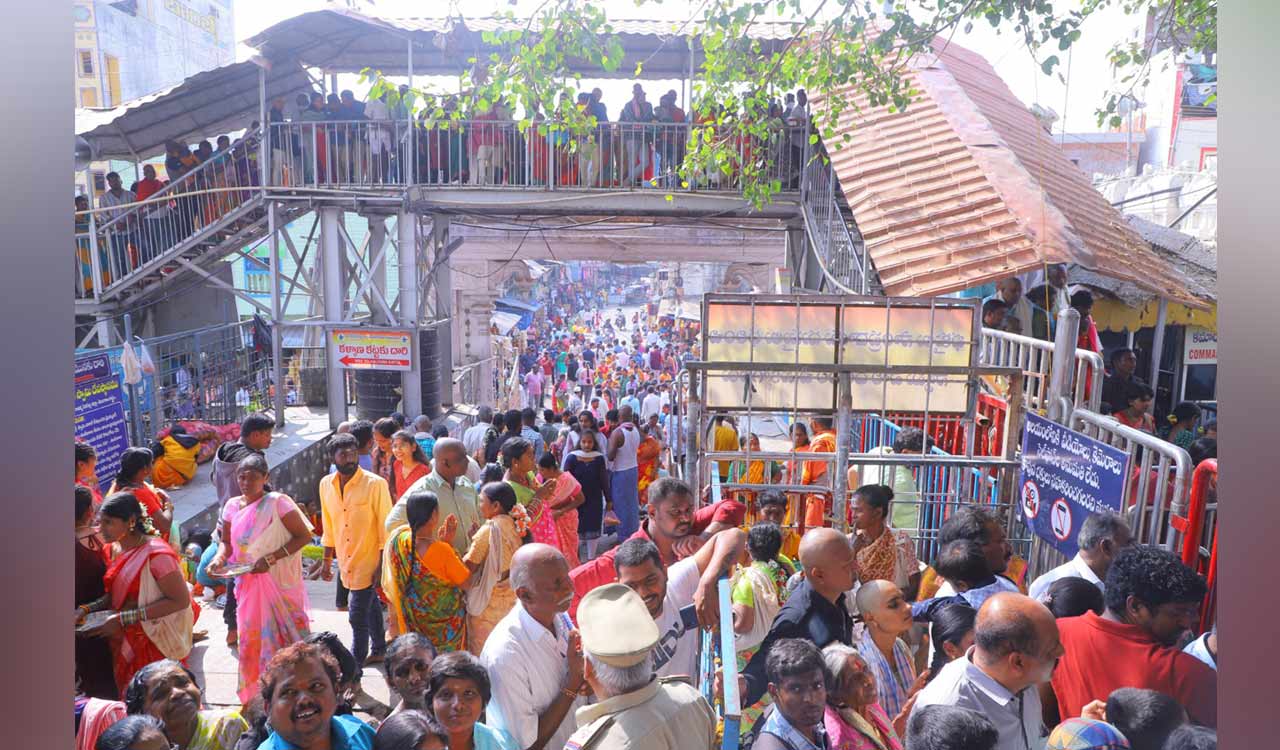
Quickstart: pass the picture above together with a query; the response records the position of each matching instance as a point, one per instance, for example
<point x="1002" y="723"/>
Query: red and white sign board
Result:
<point x="1201" y="347"/>
<point x="371" y="349"/>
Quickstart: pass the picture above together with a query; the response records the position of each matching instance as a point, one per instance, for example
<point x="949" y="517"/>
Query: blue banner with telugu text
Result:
<point x="99" y="412"/>
<point x="1065" y="478"/>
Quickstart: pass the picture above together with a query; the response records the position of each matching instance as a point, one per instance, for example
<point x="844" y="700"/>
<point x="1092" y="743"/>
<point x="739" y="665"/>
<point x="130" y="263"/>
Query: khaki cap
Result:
<point x="615" y="625"/>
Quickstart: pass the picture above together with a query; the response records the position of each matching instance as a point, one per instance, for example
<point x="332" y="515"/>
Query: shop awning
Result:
<point x="516" y="304"/>
<point x="965" y="187"/>
<point x="504" y="321"/>
<point x="686" y="310"/>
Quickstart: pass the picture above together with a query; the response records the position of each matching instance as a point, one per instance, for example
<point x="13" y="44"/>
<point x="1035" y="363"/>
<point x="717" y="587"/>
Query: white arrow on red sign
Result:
<point x="350" y="361"/>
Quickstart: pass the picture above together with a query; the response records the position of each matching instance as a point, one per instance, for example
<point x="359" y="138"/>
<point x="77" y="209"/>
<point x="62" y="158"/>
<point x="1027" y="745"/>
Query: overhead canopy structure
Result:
<point x="1122" y="306"/>
<point x="966" y="187"/>
<point x="345" y="41"/>
<point x="206" y="104"/>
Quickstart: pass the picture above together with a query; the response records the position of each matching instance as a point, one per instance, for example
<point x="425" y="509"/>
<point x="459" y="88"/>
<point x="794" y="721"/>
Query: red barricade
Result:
<point x="1204" y="486"/>
<point x="947" y="431"/>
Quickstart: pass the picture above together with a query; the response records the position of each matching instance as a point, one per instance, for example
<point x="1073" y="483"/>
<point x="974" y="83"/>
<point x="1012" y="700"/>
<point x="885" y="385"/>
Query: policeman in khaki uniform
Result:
<point x="634" y="710"/>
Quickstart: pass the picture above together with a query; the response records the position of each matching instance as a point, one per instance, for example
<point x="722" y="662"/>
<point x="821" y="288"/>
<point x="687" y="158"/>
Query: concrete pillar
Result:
<point x="444" y="305"/>
<point x="331" y="252"/>
<point x="377" y="243"/>
<point x="407" y="242"/>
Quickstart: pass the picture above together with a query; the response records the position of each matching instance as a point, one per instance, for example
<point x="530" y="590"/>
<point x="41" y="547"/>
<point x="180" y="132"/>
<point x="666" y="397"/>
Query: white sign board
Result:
<point x="371" y="349"/>
<point x="1201" y="347"/>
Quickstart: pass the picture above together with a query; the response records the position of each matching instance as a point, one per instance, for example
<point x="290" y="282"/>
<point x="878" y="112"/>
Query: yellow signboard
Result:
<point x="810" y="330"/>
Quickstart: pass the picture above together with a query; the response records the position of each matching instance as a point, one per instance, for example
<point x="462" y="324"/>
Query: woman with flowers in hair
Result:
<point x="149" y="604"/>
<point x="490" y="596"/>
<point x="518" y="459"/>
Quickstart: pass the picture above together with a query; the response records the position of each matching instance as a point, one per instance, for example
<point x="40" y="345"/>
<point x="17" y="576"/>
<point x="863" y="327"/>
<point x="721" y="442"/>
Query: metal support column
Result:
<point x="692" y="433"/>
<point x="264" y="146"/>
<point x="411" y="381"/>
<point x="1064" y="365"/>
<point x="1157" y="345"/>
<point x="444" y="305"/>
<point x="378" y="272"/>
<point x="844" y="429"/>
<point x="331" y="253"/>
<point x="277" y="317"/>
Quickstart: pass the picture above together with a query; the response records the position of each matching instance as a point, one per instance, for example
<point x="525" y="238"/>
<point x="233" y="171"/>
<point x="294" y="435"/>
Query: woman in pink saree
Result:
<point x="563" y="505"/>
<point x="267" y="531"/>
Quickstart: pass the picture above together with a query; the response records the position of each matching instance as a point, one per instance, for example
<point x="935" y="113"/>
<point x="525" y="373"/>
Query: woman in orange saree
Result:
<point x="149" y="615"/>
<point x="647" y="457"/>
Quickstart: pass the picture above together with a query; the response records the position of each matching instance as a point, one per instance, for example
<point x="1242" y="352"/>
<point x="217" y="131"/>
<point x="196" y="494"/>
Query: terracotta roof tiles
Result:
<point x="965" y="187"/>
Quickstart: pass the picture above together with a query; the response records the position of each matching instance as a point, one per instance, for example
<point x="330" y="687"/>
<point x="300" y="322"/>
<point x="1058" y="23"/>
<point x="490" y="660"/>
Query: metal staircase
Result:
<point x="186" y="227"/>
<point x="833" y="237"/>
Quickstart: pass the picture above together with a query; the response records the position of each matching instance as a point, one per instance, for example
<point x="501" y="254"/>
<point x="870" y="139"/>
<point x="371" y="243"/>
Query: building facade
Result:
<point x="125" y="49"/>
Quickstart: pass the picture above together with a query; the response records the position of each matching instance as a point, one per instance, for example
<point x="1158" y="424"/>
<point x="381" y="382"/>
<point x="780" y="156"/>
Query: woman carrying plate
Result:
<point x="146" y="613"/>
<point x="262" y="536"/>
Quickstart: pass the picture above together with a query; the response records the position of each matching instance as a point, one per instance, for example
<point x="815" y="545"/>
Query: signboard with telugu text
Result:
<point x="99" y="411"/>
<point x="1065" y="478"/>
<point x="828" y="330"/>
<point x="1201" y="347"/>
<point x="371" y="349"/>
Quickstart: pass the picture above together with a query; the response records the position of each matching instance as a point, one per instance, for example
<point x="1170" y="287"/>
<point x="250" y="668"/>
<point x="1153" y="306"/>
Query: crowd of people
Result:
<point x="542" y="579"/>
<point x="1125" y="395"/>
<point x="345" y="141"/>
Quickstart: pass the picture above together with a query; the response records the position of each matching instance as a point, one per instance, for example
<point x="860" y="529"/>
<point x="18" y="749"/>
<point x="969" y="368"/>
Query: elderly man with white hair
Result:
<point x="534" y="655"/>
<point x="633" y="708"/>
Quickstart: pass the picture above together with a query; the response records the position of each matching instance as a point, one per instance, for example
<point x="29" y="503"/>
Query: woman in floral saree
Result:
<point x="267" y="531"/>
<point x="647" y="462"/>
<point x="424" y="579"/>
<point x="490" y="597"/>
<point x="150" y="605"/>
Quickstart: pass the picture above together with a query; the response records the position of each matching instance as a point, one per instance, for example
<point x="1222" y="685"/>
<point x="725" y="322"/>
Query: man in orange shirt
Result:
<point x="354" y="504"/>
<point x="815" y="472"/>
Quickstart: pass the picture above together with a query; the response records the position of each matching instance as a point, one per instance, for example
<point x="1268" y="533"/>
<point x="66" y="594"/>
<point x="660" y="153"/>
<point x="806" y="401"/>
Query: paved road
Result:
<point x="216" y="665"/>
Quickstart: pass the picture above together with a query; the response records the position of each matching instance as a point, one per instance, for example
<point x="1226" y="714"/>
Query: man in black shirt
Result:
<point x="1123" y="364"/>
<point x="815" y="611"/>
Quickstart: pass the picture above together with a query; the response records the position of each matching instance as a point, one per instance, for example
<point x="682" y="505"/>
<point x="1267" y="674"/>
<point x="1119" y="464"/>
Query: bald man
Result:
<point x="456" y="493"/>
<point x="816" y="609"/>
<point x="533" y="655"/>
<point x="1015" y="650"/>
<point x="887" y="617"/>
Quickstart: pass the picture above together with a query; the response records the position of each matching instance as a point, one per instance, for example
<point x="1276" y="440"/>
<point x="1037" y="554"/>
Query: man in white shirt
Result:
<point x="1101" y="537"/>
<point x="534" y="656"/>
<point x="473" y="438"/>
<point x="121" y="232"/>
<point x="667" y="591"/>
<point x="1016" y="647"/>
<point x="651" y="406"/>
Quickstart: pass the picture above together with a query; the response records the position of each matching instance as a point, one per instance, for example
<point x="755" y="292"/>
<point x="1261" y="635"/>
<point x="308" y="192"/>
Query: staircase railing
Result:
<point x="842" y="256"/>
<point x="116" y="243"/>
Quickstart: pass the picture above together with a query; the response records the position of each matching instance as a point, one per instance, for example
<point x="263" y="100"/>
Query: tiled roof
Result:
<point x="966" y="187"/>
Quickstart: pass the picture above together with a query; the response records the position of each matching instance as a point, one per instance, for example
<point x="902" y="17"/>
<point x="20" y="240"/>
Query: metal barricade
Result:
<point x="1159" y="483"/>
<point x="1199" y="530"/>
<point x="213" y="374"/>
<point x="114" y="242"/>
<point x="1035" y="358"/>
<point x="544" y="154"/>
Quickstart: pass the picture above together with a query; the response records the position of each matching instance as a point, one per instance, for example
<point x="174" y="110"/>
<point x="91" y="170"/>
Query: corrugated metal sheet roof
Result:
<point x="966" y="187"/>
<point x="205" y="105"/>
<point x="1192" y="258"/>
<point x="338" y="39"/>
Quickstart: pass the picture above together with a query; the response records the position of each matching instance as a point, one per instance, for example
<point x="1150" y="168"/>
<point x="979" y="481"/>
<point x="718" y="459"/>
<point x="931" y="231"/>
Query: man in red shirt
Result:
<point x="673" y="525"/>
<point x="1152" y="599"/>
